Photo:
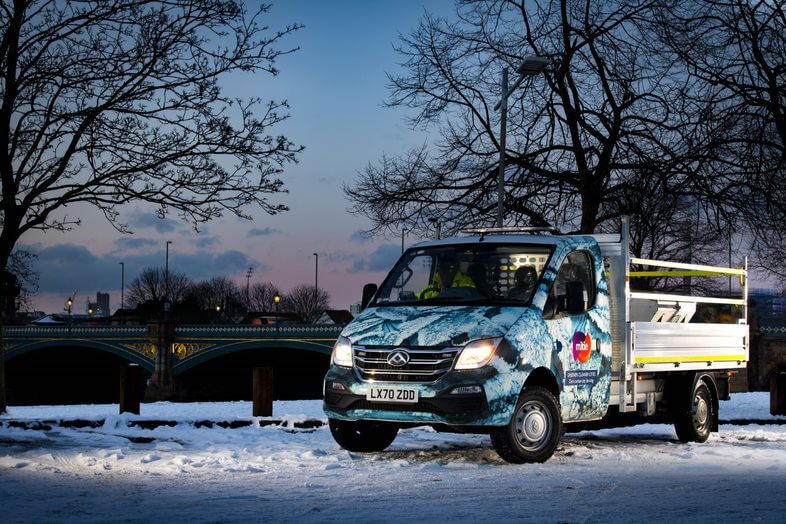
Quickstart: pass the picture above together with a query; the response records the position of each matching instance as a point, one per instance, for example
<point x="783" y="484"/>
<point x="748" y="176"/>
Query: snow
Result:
<point x="754" y="405"/>
<point x="122" y="473"/>
<point x="176" y="411"/>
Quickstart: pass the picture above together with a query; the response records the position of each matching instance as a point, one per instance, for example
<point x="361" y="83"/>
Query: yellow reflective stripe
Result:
<point x="688" y="273"/>
<point x="701" y="358"/>
<point x="692" y="267"/>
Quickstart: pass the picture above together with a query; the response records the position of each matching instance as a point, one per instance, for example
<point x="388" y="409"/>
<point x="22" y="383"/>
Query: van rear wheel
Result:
<point x="363" y="435"/>
<point x="534" y="432"/>
<point x="694" y="425"/>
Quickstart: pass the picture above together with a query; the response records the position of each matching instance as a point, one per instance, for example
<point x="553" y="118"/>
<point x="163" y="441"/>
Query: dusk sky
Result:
<point x="336" y="86"/>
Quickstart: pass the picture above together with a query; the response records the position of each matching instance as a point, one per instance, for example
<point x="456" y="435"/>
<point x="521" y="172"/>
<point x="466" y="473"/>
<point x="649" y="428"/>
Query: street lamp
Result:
<point x="437" y="226"/>
<point x="218" y="313"/>
<point x="403" y="231"/>
<point x="166" y="281"/>
<point x="316" y="275"/>
<point x="248" y="287"/>
<point x="531" y="66"/>
<point x="68" y="305"/>
<point x="276" y="299"/>
<point x="122" y="289"/>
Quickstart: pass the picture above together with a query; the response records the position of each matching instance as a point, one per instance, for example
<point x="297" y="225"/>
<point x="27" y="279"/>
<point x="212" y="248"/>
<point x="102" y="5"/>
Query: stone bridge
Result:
<point x="167" y="350"/>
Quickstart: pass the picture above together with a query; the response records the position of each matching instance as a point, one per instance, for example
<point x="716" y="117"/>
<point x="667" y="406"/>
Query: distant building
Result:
<point x="355" y="309"/>
<point x="767" y="303"/>
<point x="335" y="316"/>
<point x="51" y="320"/>
<point x="24" y="317"/>
<point x="99" y="308"/>
<point x="267" y="318"/>
<point x="102" y="300"/>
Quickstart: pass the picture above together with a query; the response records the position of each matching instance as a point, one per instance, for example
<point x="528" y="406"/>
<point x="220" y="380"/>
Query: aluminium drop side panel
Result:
<point x="662" y="346"/>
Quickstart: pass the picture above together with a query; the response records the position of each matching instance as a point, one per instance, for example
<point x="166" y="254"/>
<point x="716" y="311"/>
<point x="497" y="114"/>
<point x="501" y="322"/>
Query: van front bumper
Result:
<point x="438" y="403"/>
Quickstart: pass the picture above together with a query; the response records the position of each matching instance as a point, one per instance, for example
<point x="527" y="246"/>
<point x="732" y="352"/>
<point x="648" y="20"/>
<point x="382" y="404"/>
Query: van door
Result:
<point x="576" y="315"/>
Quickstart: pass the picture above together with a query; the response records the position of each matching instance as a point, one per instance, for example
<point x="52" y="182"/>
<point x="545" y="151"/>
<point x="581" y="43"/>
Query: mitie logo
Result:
<point x="582" y="346"/>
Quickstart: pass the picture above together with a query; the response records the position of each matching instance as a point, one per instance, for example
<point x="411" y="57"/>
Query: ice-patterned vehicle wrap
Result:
<point x="576" y="350"/>
<point x="430" y="326"/>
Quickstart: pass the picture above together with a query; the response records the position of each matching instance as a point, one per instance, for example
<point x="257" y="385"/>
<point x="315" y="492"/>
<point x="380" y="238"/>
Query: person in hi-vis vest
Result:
<point x="447" y="275"/>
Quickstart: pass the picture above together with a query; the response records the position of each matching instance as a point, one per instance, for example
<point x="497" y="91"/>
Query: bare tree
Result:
<point x="108" y="103"/>
<point x="307" y="302"/>
<point x="222" y="293"/>
<point x="579" y="137"/>
<point x="150" y="287"/>
<point x="262" y="296"/>
<point x="20" y="265"/>
<point x="735" y="51"/>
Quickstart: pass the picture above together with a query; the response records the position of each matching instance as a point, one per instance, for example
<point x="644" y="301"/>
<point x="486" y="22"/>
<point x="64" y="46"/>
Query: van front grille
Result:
<point x="425" y="365"/>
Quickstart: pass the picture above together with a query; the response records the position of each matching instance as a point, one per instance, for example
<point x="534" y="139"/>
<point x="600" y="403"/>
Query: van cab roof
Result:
<point x="511" y="239"/>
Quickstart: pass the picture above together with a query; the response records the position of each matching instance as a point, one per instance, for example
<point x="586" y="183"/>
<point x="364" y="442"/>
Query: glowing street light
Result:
<point x="276" y="300"/>
<point x="68" y="305"/>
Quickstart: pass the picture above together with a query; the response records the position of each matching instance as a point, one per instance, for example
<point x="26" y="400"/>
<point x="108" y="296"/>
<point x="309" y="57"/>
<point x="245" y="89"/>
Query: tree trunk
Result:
<point x="6" y="305"/>
<point x="4" y="284"/>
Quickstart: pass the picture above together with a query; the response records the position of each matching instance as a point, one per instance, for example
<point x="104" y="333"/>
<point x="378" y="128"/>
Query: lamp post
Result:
<point x="166" y="281"/>
<point x="122" y="289"/>
<point x="276" y="300"/>
<point x="316" y="276"/>
<point x="403" y="231"/>
<point x="531" y="66"/>
<point x="69" y="304"/>
<point x="437" y="227"/>
<point x="218" y="314"/>
<point x="248" y="287"/>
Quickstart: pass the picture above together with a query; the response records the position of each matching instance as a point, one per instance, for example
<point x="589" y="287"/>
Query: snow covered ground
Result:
<point x="268" y="473"/>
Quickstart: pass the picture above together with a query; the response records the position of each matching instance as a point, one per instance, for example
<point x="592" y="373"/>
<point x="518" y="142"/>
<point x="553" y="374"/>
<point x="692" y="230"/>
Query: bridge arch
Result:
<point x="118" y="350"/>
<point x="227" y="373"/>
<point x="222" y="349"/>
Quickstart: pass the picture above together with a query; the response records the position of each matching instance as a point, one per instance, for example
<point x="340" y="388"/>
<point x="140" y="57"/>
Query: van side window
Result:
<point x="574" y="289"/>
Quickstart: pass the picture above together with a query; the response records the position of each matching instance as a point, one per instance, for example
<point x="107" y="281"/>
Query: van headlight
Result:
<point x="477" y="354"/>
<point x="342" y="352"/>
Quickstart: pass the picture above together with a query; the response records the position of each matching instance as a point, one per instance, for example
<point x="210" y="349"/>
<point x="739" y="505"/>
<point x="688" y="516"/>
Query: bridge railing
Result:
<point x="181" y="331"/>
<point x="295" y="330"/>
<point x="773" y="329"/>
<point x="73" y="331"/>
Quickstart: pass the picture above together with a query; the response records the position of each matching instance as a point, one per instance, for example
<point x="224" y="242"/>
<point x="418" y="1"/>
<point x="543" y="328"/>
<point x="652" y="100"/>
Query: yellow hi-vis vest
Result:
<point x="432" y="290"/>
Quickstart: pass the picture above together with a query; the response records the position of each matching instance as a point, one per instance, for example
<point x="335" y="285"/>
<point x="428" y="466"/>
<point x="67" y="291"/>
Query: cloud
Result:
<point x="360" y="237"/>
<point x="257" y="232"/>
<point x="206" y="241"/>
<point x="65" y="267"/>
<point x="381" y="259"/>
<point x="62" y="268"/>
<point x="338" y="256"/>
<point x="203" y="264"/>
<point x="141" y="219"/>
<point x="132" y="243"/>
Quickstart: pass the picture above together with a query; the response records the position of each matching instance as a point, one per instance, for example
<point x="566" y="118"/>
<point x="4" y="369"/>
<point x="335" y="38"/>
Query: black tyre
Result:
<point x="534" y="432"/>
<point x="695" y="423"/>
<point x="363" y="435"/>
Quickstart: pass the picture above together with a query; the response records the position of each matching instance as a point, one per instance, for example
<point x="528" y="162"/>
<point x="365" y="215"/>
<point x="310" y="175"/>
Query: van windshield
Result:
<point x="465" y="274"/>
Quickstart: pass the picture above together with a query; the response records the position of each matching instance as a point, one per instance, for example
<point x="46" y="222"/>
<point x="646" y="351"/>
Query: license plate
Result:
<point x="392" y="394"/>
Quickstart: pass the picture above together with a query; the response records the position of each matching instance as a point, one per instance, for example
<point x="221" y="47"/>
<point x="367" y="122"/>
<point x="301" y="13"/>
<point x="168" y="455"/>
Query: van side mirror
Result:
<point x="550" y="308"/>
<point x="575" y="296"/>
<point x="368" y="294"/>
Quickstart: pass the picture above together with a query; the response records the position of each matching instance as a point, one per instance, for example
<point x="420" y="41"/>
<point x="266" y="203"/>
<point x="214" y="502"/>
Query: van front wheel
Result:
<point x="534" y="432"/>
<point x="363" y="435"/>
